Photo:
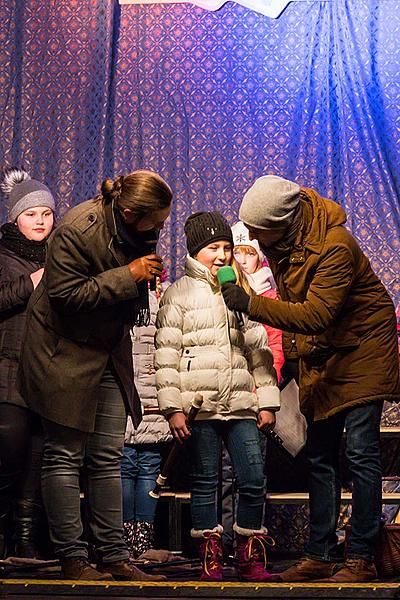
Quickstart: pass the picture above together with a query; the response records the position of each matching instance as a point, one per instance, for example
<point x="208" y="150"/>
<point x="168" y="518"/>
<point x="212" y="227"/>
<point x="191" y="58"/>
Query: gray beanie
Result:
<point x="270" y="203"/>
<point x="24" y="192"/>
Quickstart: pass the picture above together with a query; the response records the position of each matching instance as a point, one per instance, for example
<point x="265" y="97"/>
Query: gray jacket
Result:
<point x="153" y="428"/>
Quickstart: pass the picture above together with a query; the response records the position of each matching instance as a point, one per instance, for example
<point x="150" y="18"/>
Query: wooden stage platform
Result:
<point x="23" y="579"/>
<point x="29" y="589"/>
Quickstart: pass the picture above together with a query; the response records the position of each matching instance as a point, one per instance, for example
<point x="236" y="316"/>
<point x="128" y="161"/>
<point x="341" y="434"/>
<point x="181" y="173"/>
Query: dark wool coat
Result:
<point x="15" y="290"/>
<point x="78" y="319"/>
<point x="341" y="317"/>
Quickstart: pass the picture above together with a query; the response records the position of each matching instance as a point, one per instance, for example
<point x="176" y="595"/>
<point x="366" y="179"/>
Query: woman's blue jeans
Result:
<point x="363" y="454"/>
<point x="241" y="439"/>
<point x="140" y="467"/>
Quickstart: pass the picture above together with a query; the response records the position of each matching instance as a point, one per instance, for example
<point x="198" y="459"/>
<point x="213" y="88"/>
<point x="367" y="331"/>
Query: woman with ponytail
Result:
<point x="30" y="207"/>
<point x="76" y="365"/>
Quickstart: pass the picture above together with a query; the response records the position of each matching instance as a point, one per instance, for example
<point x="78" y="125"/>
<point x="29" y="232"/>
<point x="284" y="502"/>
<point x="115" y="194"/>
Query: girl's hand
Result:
<point x="266" y="420"/>
<point x="178" y="426"/>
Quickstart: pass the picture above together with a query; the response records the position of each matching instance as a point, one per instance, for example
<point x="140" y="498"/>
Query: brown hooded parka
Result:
<point x="340" y="317"/>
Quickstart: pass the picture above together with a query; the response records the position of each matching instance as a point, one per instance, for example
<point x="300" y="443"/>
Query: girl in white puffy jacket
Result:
<point x="202" y="349"/>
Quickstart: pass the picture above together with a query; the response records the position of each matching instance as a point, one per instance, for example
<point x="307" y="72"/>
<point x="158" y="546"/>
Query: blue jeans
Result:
<point x="66" y="450"/>
<point x="140" y="467"/>
<point x="241" y="439"/>
<point x="363" y="454"/>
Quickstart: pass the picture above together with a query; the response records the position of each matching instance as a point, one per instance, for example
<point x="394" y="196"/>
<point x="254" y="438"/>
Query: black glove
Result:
<point x="235" y="297"/>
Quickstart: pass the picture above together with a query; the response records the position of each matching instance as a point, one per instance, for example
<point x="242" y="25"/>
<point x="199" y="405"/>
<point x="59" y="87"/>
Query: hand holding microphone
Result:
<point x="235" y="297"/>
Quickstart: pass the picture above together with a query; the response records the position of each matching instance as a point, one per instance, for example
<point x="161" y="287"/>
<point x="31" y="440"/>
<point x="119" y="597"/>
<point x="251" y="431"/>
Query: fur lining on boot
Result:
<point x="199" y="533"/>
<point x="249" y="532"/>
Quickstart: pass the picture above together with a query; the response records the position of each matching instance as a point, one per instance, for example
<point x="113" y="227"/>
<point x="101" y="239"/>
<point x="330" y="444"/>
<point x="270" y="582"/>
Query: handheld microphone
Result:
<point x="152" y="250"/>
<point x="227" y="275"/>
<point x="153" y="284"/>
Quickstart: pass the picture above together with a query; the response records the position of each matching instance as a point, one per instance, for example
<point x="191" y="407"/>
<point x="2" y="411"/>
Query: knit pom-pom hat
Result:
<point x="23" y="192"/>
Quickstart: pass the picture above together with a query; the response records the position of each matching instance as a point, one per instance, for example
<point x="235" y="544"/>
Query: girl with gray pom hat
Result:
<point x="23" y="239"/>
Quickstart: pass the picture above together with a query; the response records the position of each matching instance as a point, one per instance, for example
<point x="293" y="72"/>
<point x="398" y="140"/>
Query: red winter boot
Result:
<point x="251" y="553"/>
<point x="210" y="552"/>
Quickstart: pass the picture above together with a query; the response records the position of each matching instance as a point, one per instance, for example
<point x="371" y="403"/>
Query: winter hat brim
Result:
<point x="28" y="194"/>
<point x="241" y="238"/>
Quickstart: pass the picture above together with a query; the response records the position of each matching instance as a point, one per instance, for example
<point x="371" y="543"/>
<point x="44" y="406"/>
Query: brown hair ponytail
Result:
<point x="141" y="192"/>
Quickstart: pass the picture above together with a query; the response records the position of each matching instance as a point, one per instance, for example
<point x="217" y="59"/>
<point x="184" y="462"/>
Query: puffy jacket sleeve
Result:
<point x="71" y="285"/>
<point x="168" y="341"/>
<point x="15" y="292"/>
<point x="261" y="365"/>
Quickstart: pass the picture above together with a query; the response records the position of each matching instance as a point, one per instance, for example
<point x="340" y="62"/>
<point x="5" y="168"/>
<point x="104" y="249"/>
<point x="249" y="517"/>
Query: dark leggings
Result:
<point x="21" y="444"/>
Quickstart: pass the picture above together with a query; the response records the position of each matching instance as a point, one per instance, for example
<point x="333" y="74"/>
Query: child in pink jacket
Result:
<point x="259" y="278"/>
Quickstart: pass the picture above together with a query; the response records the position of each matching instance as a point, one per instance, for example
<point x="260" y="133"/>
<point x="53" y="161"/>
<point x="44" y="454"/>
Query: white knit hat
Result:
<point x="241" y="238"/>
<point x="270" y="203"/>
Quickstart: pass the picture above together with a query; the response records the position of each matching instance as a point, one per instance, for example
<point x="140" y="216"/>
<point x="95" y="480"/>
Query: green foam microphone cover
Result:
<point x="226" y="275"/>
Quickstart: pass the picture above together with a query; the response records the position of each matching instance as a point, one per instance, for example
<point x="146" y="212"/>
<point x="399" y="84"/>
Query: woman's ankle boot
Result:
<point x="251" y="553"/>
<point x="209" y="546"/>
<point x="27" y="523"/>
<point x="130" y="538"/>
<point x="144" y="537"/>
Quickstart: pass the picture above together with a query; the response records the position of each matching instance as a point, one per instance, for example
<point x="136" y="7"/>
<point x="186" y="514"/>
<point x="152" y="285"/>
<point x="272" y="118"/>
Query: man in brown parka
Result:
<point x="339" y="320"/>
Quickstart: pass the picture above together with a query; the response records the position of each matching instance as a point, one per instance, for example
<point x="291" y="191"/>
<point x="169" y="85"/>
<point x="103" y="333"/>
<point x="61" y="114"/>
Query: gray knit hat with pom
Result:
<point x="270" y="203"/>
<point x="23" y="192"/>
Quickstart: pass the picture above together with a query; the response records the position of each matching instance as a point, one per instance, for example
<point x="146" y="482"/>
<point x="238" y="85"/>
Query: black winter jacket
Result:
<point x="15" y="290"/>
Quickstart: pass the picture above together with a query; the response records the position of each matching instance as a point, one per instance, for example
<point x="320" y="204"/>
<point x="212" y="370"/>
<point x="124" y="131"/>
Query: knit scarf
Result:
<point x="14" y="240"/>
<point x="133" y="247"/>
<point x="261" y="281"/>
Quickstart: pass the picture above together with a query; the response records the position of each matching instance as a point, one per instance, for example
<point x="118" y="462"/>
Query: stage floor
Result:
<point x="57" y="590"/>
<point x="24" y="579"/>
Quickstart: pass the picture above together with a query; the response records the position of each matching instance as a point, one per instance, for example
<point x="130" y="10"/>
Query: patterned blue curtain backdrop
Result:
<point x="211" y="100"/>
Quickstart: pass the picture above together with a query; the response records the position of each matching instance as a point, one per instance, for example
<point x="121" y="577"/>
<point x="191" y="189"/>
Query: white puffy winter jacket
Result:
<point x="200" y="348"/>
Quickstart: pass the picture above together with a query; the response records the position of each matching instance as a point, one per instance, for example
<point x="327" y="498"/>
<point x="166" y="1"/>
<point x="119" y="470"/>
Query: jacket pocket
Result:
<point x="316" y="350"/>
<point x="345" y="339"/>
<point x="185" y="364"/>
<point x="190" y="356"/>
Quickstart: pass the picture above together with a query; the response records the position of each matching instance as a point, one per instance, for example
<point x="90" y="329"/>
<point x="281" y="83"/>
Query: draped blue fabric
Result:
<point x="211" y="100"/>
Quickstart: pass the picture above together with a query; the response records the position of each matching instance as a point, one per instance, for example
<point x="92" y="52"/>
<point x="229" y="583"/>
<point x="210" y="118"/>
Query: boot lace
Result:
<point x="352" y="564"/>
<point x="212" y="553"/>
<point x="256" y="547"/>
<point x="81" y="562"/>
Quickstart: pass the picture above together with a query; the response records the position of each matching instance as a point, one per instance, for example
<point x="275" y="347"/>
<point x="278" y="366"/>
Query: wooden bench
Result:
<point x="176" y="499"/>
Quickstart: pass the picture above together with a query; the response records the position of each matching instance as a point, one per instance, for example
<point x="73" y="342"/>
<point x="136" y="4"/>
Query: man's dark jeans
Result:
<point x="66" y="451"/>
<point x="363" y="454"/>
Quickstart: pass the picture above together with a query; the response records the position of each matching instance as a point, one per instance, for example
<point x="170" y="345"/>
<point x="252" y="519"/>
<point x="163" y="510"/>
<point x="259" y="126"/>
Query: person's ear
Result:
<point x="128" y="215"/>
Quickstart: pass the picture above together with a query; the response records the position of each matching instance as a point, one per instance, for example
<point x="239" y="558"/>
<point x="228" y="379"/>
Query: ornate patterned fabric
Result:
<point x="211" y="100"/>
<point x="288" y="525"/>
<point x="270" y="8"/>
